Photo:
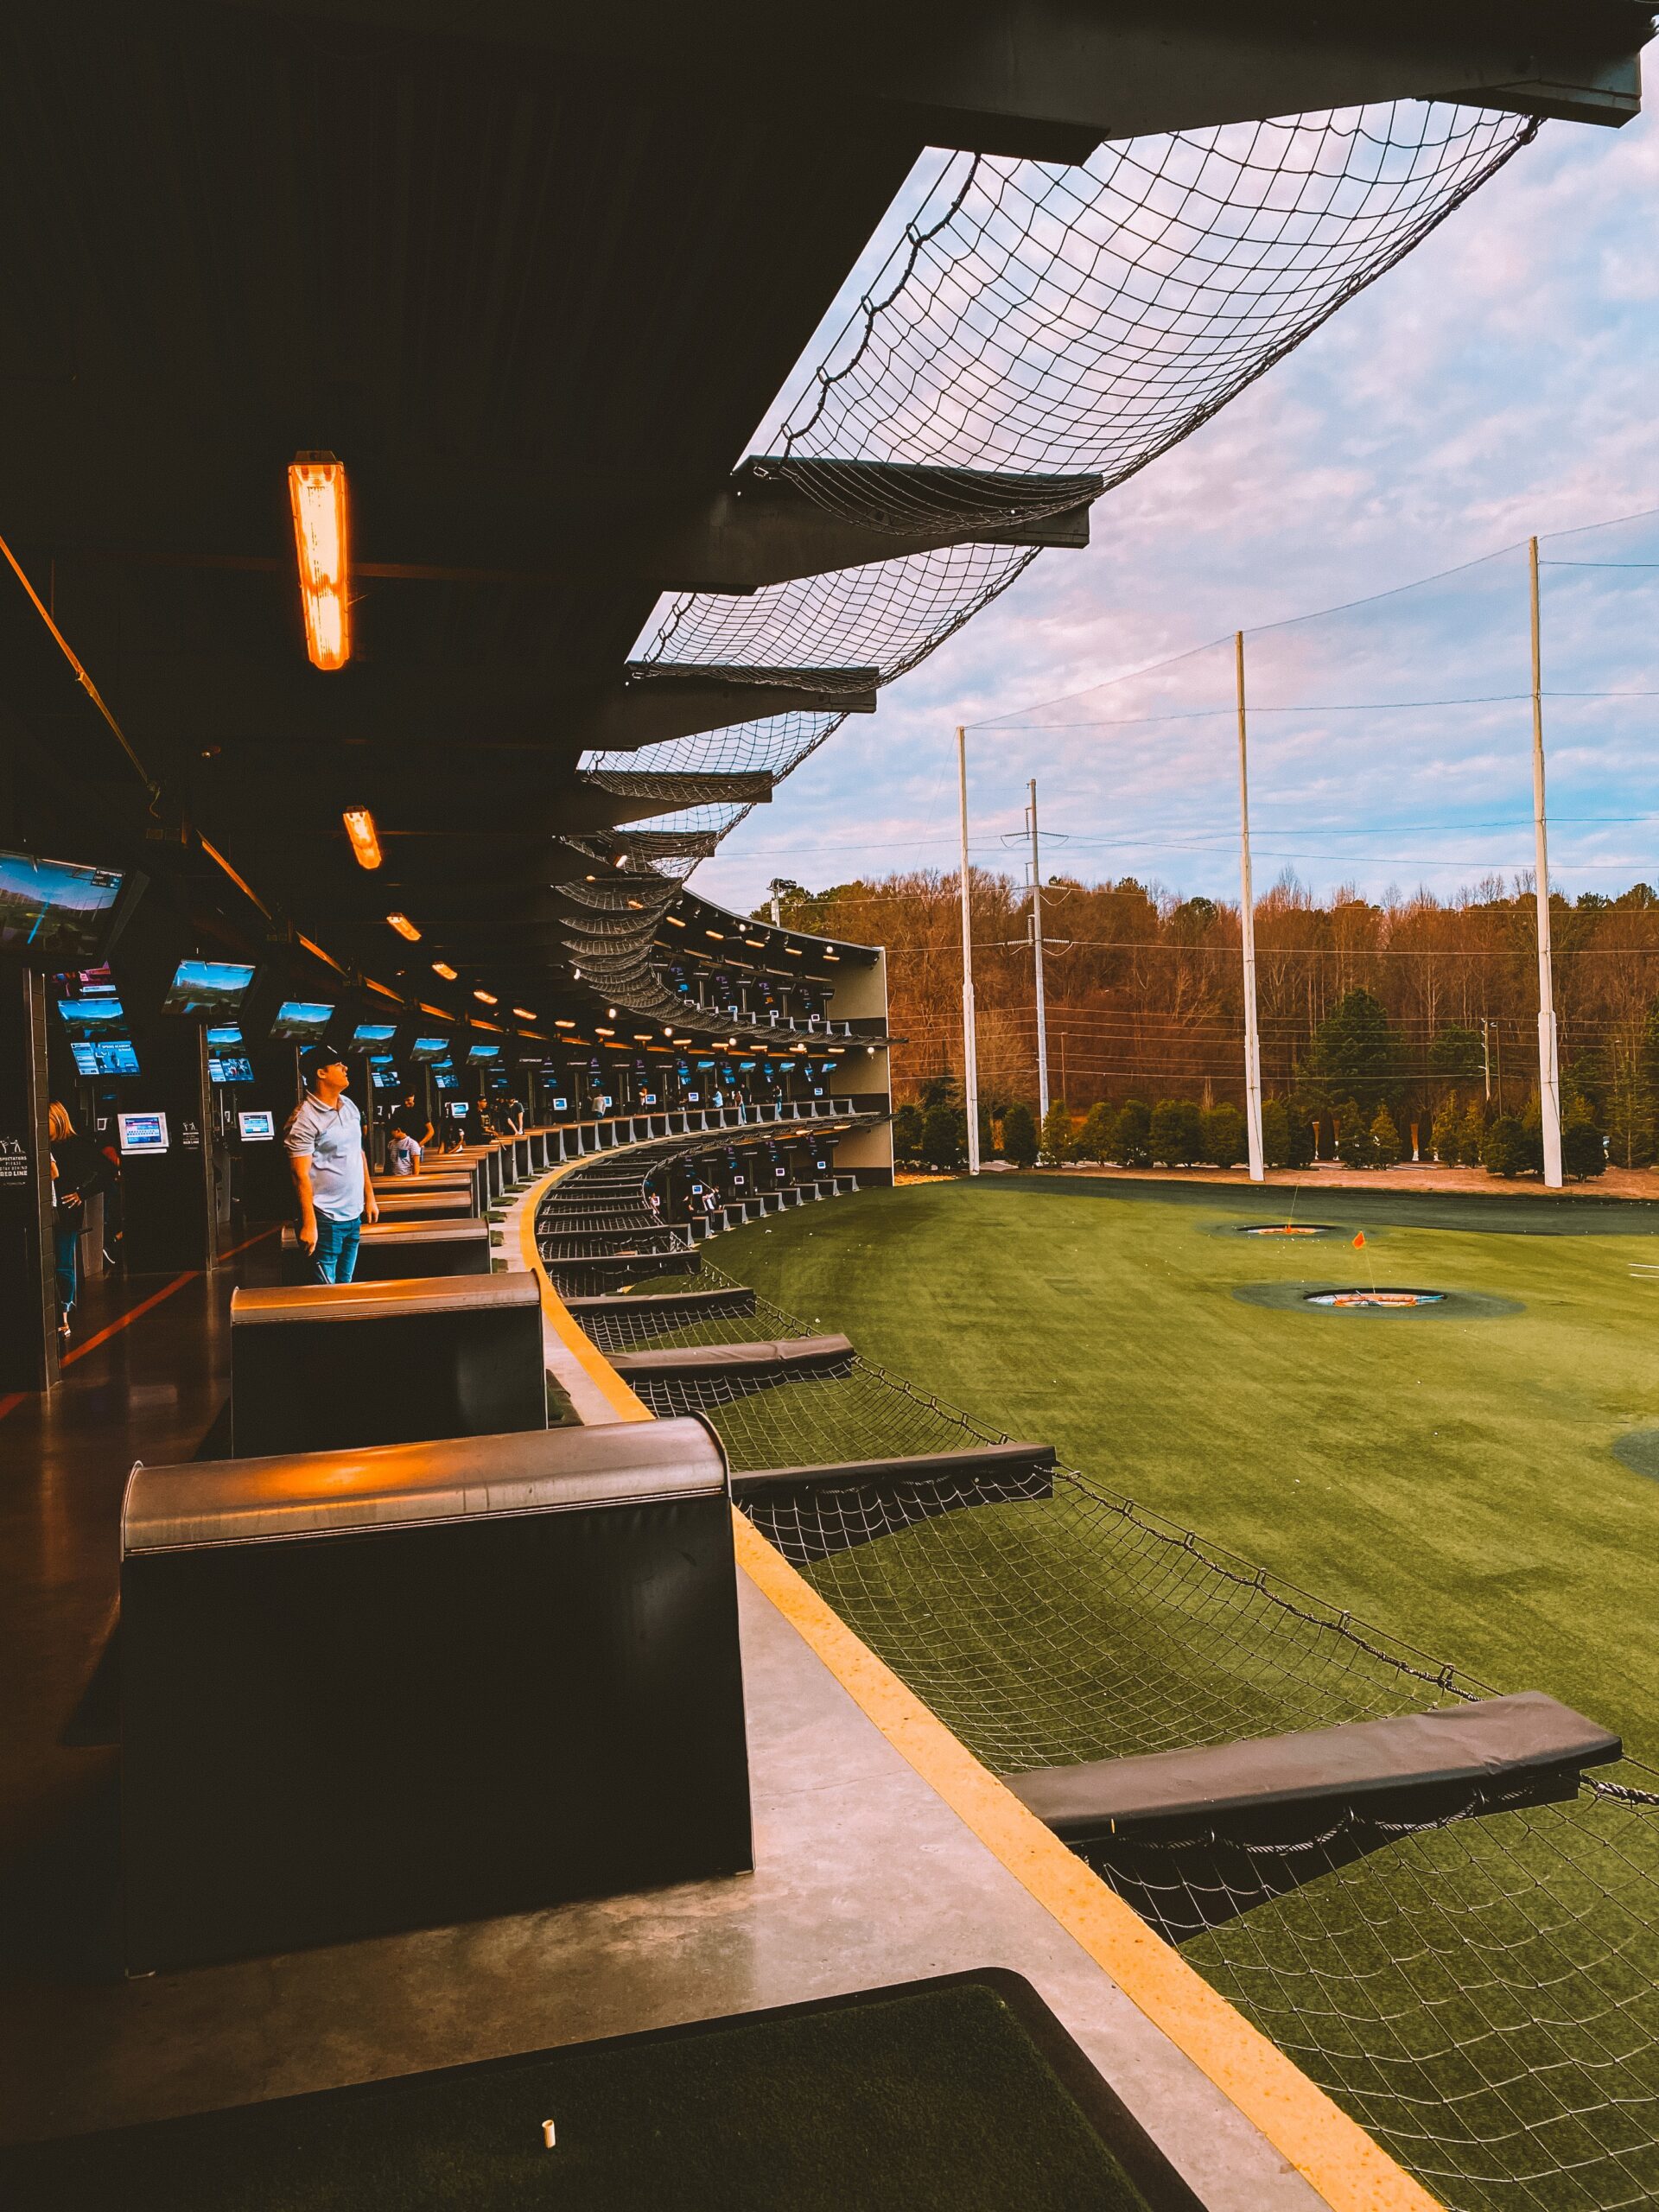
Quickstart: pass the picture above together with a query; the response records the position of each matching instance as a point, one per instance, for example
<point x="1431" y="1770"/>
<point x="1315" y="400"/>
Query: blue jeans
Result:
<point x="65" y="1232"/>
<point x="335" y="1257"/>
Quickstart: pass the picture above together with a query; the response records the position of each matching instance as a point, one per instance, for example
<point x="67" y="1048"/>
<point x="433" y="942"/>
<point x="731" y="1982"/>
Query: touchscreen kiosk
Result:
<point x="256" y="1127"/>
<point x="142" y="1132"/>
<point x="229" y="1067"/>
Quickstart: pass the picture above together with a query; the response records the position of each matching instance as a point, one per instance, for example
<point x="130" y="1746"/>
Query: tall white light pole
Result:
<point x="1247" y="918"/>
<point x="1037" y="950"/>
<point x="970" y="1043"/>
<point x="1550" y="1065"/>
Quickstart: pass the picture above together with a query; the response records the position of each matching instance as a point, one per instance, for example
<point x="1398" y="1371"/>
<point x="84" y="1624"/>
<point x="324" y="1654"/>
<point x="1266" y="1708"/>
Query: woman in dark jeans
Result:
<point x="77" y="1169"/>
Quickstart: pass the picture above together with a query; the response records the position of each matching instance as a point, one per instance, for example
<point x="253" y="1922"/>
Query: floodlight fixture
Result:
<point x="316" y="491"/>
<point x="366" y="842"/>
<point x="443" y="967"/>
<point x="404" y="927"/>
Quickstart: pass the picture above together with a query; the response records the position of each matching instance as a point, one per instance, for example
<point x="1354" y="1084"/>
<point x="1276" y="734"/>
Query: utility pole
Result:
<point x="1486" y="1058"/>
<point x="970" y="1043"/>
<point x="1550" y="1065"/>
<point x="1247" y="919"/>
<point x="1037" y="953"/>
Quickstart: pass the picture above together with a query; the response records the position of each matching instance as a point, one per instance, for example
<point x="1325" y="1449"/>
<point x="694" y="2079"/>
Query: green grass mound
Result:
<point x="937" y="2101"/>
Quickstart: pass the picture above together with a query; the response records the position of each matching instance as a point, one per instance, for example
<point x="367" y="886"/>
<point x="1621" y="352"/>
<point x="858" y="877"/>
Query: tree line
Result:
<point x="1418" y="1015"/>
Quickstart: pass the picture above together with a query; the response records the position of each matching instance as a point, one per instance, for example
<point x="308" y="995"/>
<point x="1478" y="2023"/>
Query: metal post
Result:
<point x="1037" y="953"/>
<point x="970" y="1043"/>
<point x="1486" y="1058"/>
<point x="1549" y="1068"/>
<point x="1247" y="920"/>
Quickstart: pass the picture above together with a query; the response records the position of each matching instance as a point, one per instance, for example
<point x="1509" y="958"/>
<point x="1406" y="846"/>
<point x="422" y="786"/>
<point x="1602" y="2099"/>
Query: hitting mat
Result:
<point x="960" y="2096"/>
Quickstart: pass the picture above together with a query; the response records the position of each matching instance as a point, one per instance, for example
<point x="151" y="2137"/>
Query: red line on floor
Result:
<point x="125" y="1320"/>
<point x="243" y="1246"/>
<point x="133" y="1313"/>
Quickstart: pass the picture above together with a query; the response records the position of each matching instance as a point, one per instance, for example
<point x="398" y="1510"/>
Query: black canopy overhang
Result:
<point x="537" y="301"/>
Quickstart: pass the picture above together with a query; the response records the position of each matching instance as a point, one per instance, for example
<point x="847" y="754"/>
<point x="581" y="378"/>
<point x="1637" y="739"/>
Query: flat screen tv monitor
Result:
<point x="374" y="1032"/>
<point x="460" y="1110"/>
<point x="55" y="913"/>
<point x="142" y="1133"/>
<point x="256" y="1127"/>
<point x="92" y="1017"/>
<point x="385" y="1078"/>
<point x="301" y="1022"/>
<point x="475" y="1053"/>
<point x="229" y="1067"/>
<point x="207" y="987"/>
<point x="225" y="1032"/>
<point x="105" y="1056"/>
<point x="561" y="1105"/>
<point x="429" y="1048"/>
<point x="446" y="1081"/>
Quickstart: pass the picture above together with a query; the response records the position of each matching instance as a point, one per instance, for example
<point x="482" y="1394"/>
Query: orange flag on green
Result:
<point x="1359" y="1239"/>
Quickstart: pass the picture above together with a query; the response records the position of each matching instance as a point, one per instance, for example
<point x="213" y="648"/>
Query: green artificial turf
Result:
<point x="937" y="2101"/>
<point x="1453" y="1481"/>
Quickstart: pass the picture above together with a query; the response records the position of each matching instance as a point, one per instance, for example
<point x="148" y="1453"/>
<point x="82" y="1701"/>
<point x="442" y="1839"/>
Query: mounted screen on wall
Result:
<point x="55" y="913"/>
<point x="207" y="987"/>
<point x="301" y="1022"/>
<point x="225" y="1032"/>
<point x="92" y="1017"/>
<point x="105" y="1056"/>
<point x="475" y="1053"/>
<point x="374" y="1032"/>
<point x="229" y="1067"/>
<point x="429" y="1048"/>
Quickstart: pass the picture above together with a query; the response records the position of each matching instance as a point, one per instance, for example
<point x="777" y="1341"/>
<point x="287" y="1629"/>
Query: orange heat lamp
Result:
<point x="443" y="967"/>
<point x="404" y="927"/>
<point x="526" y="1012"/>
<point x="366" y="842"/>
<point x="485" y="998"/>
<point x="316" y="491"/>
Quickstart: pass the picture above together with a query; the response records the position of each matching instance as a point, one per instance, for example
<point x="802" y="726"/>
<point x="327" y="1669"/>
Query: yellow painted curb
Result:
<point x="1332" y="2153"/>
<point x="581" y="1346"/>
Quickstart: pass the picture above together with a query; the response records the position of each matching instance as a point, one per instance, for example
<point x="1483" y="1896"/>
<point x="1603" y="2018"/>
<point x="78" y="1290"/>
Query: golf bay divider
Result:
<point x="1332" y="2153"/>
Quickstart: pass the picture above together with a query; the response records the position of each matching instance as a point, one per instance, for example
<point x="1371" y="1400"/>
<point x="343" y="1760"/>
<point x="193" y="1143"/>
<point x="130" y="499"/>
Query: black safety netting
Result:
<point x="1038" y="322"/>
<point x="1477" y="1988"/>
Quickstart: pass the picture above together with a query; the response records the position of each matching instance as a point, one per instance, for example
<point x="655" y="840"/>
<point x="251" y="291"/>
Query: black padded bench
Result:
<point x="389" y="1251"/>
<point x="379" y="1690"/>
<point x="784" y="1361"/>
<point x="1412" y="1767"/>
<point x="320" y="1367"/>
<point x="809" y="1513"/>
<point x="410" y="1202"/>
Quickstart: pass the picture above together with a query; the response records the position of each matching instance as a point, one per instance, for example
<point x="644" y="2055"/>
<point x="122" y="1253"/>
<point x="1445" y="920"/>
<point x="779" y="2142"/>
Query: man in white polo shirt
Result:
<point x="331" y="1176"/>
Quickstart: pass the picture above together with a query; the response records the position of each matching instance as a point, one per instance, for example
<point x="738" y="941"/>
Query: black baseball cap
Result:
<point x="319" y="1057"/>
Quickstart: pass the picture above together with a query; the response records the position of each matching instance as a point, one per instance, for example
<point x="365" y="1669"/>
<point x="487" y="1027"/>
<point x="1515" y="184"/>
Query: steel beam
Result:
<point x="1048" y="78"/>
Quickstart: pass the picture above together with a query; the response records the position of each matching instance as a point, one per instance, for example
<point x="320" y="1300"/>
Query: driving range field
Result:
<point x="1447" y="1474"/>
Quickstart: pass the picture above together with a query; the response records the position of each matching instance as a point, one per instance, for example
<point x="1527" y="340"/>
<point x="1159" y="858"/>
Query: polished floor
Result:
<point x="864" y="1877"/>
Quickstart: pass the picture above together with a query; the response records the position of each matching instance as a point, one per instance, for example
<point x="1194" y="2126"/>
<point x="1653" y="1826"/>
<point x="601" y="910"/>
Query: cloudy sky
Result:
<point x="1500" y="382"/>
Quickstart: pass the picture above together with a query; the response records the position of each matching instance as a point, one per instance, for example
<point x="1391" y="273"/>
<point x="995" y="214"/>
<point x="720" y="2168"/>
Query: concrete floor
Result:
<point x="864" y="1877"/>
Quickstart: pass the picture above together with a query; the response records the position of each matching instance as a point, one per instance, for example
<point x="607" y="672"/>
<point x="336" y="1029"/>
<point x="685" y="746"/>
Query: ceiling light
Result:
<point x="611" y="1010"/>
<point x="485" y="998"/>
<point x="316" y="491"/>
<point x="359" y="828"/>
<point x="404" y="927"/>
<point x="525" y="1012"/>
<point x="676" y="920"/>
<point x="565" y="1025"/>
<point x="599" y="1030"/>
<point x="718" y="935"/>
<point x="443" y="967"/>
